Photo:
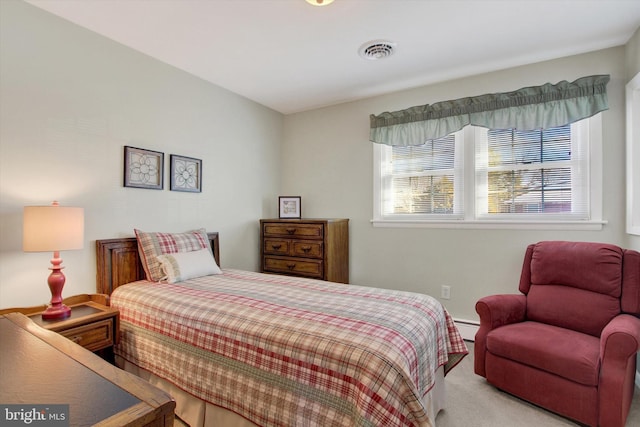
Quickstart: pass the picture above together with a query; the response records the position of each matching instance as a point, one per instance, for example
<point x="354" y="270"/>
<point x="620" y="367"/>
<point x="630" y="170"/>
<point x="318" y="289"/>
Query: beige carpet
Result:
<point x="471" y="402"/>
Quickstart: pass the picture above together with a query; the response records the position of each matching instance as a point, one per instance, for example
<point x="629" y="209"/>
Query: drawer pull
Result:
<point x="291" y="230"/>
<point x="291" y="266"/>
<point x="306" y="249"/>
<point x="276" y="247"/>
<point x="76" y="339"/>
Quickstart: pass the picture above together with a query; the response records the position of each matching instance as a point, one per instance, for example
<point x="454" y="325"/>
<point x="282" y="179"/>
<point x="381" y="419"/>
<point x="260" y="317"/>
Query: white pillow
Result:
<point x="181" y="266"/>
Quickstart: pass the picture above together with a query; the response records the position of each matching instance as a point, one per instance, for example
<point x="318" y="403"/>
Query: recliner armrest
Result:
<point x="495" y="311"/>
<point x="619" y="343"/>
<point x="500" y="310"/>
<point x="620" y="338"/>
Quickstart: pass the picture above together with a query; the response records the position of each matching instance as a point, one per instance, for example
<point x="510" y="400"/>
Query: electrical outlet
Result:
<point x="445" y="292"/>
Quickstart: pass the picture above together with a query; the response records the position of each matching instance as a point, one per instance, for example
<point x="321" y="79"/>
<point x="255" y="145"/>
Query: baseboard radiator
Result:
<point x="467" y="328"/>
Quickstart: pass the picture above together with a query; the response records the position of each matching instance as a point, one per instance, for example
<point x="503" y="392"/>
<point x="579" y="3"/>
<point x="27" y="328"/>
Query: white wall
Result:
<point x="70" y="100"/>
<point x="632" y="54"/>
<point x="329" y="164"/>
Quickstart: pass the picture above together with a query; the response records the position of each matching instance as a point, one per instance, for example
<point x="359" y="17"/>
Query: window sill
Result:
<point x="492" y="224"/>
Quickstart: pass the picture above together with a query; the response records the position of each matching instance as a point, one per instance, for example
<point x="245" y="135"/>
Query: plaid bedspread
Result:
<point x="286" y="351"/>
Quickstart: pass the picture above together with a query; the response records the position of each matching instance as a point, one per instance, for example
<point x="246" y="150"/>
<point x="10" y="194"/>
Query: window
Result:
<point x="423" y="180"/>
<point x="524" y="177"/>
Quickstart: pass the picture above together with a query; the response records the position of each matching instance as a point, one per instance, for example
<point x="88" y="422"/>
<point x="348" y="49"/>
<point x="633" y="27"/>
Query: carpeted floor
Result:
<point x="471" y="402"/>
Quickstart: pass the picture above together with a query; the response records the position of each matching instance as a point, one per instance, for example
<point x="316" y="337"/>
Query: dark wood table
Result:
<point x="38" y="366"/>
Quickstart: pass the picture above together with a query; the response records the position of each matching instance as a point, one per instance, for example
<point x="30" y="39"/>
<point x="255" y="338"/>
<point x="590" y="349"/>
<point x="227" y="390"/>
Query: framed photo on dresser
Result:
<point x="290" y="207"/>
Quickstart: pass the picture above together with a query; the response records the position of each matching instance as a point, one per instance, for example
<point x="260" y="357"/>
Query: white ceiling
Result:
<point x="291" y="56"/>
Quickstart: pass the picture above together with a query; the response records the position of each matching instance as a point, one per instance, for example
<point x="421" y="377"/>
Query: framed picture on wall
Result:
<point x="186" y="174"/>
<point x="143" y="168"/>
<point x="290" y="206"/>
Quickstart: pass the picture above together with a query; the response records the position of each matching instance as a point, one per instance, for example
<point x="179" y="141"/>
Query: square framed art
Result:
<point x="143" y="168"/>
<point x="290" y="207"/>
<point x="186" y="174"/>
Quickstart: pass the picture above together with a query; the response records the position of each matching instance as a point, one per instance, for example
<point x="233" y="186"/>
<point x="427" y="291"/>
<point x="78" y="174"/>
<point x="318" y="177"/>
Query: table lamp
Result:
<point x="53" y="229"/>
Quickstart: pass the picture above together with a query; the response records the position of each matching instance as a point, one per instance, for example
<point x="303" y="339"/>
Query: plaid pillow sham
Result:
<point x="153" y="244"/>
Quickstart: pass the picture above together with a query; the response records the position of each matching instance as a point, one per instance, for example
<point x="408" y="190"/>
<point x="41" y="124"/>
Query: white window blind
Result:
<point x="535" y="174"/>
<point x="423" y="180"/>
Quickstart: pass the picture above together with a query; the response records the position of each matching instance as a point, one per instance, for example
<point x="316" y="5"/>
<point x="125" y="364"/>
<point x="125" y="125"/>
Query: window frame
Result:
<point x="590" y="128"/>
<point x="456" y="170"/>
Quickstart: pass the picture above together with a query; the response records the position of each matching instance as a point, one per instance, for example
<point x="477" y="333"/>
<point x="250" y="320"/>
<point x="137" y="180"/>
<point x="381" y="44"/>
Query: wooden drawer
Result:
<point x="301" y="231"/>
<point x="93" y="336"/>
<point x="307" y="248"/>
<point x="297" y="248"/>
<point x="297" y="266"/>
<point x="276" y="246"/>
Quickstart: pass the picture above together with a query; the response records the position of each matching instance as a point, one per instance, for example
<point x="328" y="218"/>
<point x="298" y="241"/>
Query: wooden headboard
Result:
<point x="118" y="262"/>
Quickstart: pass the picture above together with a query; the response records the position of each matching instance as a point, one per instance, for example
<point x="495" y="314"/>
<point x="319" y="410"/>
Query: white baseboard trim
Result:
<point x="468" y="329"/>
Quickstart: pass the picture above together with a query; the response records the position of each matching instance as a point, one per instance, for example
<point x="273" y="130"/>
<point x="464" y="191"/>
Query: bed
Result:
<point x="240" y="348"/>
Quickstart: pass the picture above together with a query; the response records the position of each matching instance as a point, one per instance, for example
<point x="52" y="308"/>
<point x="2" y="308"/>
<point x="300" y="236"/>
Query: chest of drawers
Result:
<point x="315" y="248"/>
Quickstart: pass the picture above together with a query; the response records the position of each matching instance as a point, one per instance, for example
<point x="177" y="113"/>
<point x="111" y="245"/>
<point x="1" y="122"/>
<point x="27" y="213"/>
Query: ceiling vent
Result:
<point x="377" y="49"/>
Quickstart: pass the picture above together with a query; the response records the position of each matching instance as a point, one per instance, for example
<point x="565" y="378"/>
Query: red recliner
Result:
<point x="568" y="343"/>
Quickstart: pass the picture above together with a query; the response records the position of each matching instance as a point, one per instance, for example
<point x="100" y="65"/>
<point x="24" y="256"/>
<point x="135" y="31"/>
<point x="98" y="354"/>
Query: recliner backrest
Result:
<point x="575" y="285"/>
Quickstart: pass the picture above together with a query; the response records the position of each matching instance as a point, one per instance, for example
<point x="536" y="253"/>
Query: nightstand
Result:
<point x="92" y="324"/>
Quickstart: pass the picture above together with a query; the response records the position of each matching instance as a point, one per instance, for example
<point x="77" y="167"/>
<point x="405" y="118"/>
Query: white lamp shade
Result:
<point x="52" y="228"/>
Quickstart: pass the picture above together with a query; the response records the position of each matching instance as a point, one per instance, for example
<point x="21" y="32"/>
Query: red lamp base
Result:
<point x="57" y="310"/>
<point x="60" y="311"/>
